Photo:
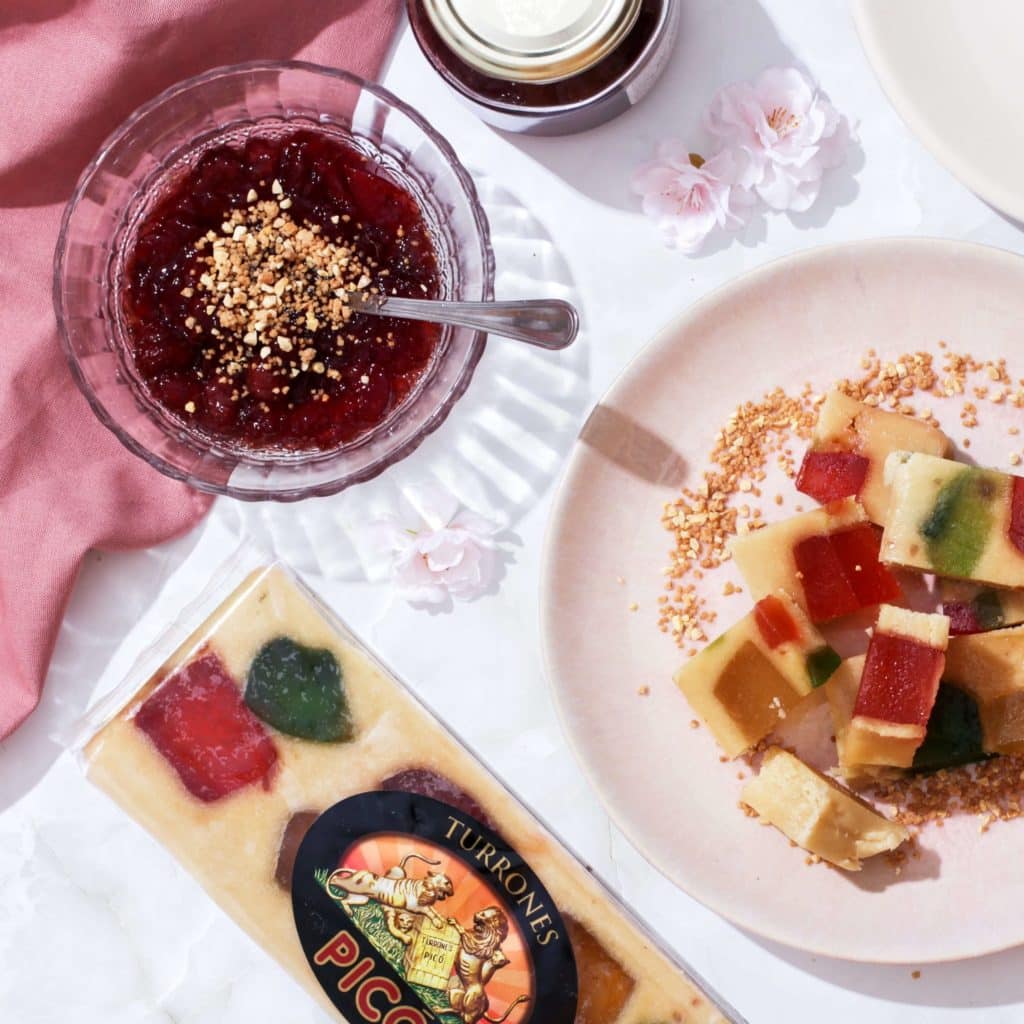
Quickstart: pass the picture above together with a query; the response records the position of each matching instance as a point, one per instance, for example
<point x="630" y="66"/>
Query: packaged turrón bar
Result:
<point x="362" y="845"/>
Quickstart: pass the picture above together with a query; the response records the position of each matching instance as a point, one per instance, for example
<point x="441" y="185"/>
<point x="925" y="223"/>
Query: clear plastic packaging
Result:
<point x="365" y="848"/>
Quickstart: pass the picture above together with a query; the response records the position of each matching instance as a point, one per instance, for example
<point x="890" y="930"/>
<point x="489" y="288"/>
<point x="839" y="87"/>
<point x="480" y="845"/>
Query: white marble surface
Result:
<point x="98" y="924"/>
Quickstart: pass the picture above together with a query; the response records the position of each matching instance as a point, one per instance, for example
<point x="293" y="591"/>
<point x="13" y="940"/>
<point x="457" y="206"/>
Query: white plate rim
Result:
<point x="924" y="128"/>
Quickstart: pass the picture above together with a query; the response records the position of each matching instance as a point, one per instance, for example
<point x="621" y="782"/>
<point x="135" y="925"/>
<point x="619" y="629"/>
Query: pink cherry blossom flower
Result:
<point x="438" y="551"/>
<point x="687" y="198"/>
<point x="778" y="136"/>
<point x="457" y="560"/>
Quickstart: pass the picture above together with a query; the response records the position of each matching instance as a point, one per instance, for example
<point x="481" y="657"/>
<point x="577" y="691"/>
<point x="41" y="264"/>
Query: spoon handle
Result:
<point x="546" y="323"/>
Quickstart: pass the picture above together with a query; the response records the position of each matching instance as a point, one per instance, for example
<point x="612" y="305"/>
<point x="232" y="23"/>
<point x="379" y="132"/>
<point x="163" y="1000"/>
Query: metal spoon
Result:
<point x="546" y="323"/>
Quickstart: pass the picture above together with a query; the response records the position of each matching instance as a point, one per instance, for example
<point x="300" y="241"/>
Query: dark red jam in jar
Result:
<point x="235" y="298"/>
<point x="556" y="77"/>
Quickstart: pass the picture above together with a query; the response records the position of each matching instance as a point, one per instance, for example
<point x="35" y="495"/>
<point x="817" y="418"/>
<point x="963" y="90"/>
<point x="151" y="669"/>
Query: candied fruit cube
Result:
<point x="990" y="667"/>
<point x="775" y="623"/>
<point x="974" y="608"/>
<point x="954" y="735"/>
<point x="1016" y="530"/>
<point x="899" y="680"/>
<point x="829" y="476"/>
<point x="858" y="549"/>
<point x="291" y="839"/>
<point x="957" y="527"/>
<point x="821" y="663"/>
<point x="823" y="579"/>
<point x="840" y="572"/>
<point x="753" y="693"/>
<point x="299" y="691"/>
<point x="826" y="559"/>
<point x="754" y="675"/>
<point x="904" y="664"/>
<point x="198" y="721"/>
<point x="982" y="613"/>
<point x="963" y="618"/>
<point x="818" y="814"/>
<point x="953" y="520"/>
<point x="426" y="782"/>
<point x="604" y="984"/>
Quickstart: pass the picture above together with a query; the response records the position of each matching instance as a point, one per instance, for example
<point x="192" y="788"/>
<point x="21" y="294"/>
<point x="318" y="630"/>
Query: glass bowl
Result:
<point x="129" y="174"/>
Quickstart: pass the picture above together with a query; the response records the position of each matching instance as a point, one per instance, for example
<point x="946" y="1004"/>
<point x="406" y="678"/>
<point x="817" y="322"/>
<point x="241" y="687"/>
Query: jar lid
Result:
<point x="532" y="40"/>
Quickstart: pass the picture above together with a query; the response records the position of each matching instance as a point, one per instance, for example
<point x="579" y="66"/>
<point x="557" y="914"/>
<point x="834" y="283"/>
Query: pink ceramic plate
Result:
<point x="806" y="317"/>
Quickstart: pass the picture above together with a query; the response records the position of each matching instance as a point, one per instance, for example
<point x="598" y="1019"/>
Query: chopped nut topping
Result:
<point x="270" y="279"/>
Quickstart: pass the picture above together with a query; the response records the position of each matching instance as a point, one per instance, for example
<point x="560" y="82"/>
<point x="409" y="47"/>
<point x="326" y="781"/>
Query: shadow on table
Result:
<point x="504" y="442"/>
<point x="96" y="621"/>
<point x="719" y="43"/>
<point x="995" y="980"/>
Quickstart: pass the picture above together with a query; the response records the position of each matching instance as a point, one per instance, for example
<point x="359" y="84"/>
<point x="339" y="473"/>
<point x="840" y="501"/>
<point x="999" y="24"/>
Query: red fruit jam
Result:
<point x="900" y="680"/>
<point x="199" y="722"/>
<point x="236" y="295"/>
<point x="841" y="574"/>
<point x="774" y="622"/>
<point x="829" y="476"/>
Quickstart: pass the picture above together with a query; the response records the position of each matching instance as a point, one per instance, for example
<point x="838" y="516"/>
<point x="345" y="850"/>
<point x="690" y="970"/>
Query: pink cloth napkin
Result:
<point x="72" y="70"/>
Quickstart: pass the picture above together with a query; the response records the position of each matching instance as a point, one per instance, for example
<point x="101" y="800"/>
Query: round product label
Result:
<point x="411" y="911"/>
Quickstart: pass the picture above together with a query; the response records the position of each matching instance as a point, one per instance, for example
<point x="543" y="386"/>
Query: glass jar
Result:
<point x="547" y="69"/>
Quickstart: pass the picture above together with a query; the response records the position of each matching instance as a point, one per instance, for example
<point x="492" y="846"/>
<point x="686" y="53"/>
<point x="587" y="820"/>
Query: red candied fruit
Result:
<point x="858" y="549"/>
<point x="840" y="572"/>
<point x="829" y="476"/>
<point x="982" y="613"/>
<point x="1017" y="513"/>
<point x="425" y="782"/>
<point x="900" y="680"/>
<point x="200" y="724"/>
<point x="962" y="618"/>
<point x="826" y="589"/>
<point x="774" y="622"/>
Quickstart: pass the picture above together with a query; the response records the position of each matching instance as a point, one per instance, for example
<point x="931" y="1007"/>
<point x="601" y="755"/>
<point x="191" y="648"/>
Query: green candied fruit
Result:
<point x="988" y="609"/>
<point x="821" y="663"/>
<point x="299" y="691"/>
<point x="957" y="528"/>
<point x="954" y="732"/>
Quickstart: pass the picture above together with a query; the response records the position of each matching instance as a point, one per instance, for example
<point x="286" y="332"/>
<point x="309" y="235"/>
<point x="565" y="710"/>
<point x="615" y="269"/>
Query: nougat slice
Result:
<point x="849" y="446"/>
<point x="904" y="663"/>
<point x="748" y="680"/>
<point x="827" y="559"/>
<point x="817" y="813"/>
<point x="990" y="667"/>
<point x="954" y="520"/>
